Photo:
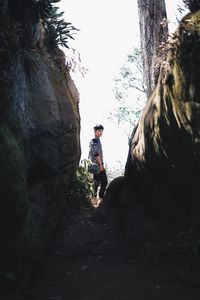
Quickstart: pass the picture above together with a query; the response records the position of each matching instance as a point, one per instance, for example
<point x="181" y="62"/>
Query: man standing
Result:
<point x="96" y="156"/>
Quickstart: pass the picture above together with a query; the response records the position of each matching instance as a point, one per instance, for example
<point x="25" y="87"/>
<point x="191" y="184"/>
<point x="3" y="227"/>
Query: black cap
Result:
<point x="98" y="126"/>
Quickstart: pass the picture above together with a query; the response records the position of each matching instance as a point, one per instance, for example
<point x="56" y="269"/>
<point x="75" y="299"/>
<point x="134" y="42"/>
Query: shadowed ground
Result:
<point x="91" y="263"/>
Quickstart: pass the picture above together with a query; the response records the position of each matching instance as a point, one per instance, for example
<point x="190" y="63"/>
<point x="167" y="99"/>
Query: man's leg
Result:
<point x="96" y="181"/>
<point x="103" y="181"/>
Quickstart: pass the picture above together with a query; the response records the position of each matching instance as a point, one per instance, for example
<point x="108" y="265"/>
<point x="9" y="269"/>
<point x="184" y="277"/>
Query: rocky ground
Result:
<point x="91" y="263"/>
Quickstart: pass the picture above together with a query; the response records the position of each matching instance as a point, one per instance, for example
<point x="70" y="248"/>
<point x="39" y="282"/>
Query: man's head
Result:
<point x="98" y="130"/>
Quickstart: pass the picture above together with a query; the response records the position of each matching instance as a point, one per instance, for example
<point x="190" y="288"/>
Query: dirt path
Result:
<point x="90" y="263"/>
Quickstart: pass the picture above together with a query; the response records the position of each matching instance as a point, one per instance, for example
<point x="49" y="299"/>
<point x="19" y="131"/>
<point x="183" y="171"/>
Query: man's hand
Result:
<point x="100" y="167"/>
<point x="98" y="160"/>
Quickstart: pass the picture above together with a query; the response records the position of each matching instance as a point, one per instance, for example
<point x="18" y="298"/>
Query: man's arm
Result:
<point x="99" y="162"/>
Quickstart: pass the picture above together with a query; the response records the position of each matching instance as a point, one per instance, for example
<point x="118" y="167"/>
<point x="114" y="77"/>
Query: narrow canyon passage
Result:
<point x="91" y="263"/>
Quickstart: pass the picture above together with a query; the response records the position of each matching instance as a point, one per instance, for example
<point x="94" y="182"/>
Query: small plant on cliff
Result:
<point x="28" y="13"/>
<point x="82" y="189"/>
<point x="58" y="30"/>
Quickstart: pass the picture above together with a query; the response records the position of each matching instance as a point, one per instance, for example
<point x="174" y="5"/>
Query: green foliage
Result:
<point x="129" y="90"/>
<point x="82" y="187"/>
<point x="42" y="8"/>
<point x="30" y="12"/>
<point x="130" y="76"/>
<point x="58" y="30"/>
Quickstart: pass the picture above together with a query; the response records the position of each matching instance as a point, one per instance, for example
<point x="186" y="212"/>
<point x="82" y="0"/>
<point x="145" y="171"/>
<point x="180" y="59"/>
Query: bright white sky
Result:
<point x="108" y="31"/>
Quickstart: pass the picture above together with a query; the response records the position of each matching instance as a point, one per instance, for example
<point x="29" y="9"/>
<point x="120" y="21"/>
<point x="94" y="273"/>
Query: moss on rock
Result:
<point x="163" y="168"/>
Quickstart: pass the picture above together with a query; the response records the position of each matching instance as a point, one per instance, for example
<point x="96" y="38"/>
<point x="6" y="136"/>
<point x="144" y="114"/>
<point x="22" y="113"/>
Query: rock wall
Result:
<point x="39" y="148"/>
<point x="160" y="192"/>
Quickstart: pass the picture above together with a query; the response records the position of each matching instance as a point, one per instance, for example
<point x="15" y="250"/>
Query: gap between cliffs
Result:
<point x="91" y="262"/>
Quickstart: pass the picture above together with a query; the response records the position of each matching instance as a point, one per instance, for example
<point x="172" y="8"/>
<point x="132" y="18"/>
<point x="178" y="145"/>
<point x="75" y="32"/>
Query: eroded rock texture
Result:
<point x="39" y="143"/>
<point x="161" y="184"/>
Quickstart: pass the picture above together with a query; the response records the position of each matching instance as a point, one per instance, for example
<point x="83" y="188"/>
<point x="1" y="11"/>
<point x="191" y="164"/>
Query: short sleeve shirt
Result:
<point x="95" y="150"/>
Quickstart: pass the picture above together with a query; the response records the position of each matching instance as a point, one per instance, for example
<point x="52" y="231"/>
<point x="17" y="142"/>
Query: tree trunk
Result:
<point x="153" y="31"/>
<point x="160" y="193"/>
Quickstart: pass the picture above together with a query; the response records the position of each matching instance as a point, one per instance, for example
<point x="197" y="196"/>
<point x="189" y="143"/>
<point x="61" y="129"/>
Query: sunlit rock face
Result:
<point x="161" y="184"/>
<point x="39" y="149"/>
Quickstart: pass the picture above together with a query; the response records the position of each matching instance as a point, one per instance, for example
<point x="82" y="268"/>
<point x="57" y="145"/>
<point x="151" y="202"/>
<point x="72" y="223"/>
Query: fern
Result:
<point x="30" y="12"/>
<point x="58" y="30"/>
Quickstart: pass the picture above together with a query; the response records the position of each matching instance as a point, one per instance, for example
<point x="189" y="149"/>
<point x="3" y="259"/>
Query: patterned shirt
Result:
<point x="95" y="150"/>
